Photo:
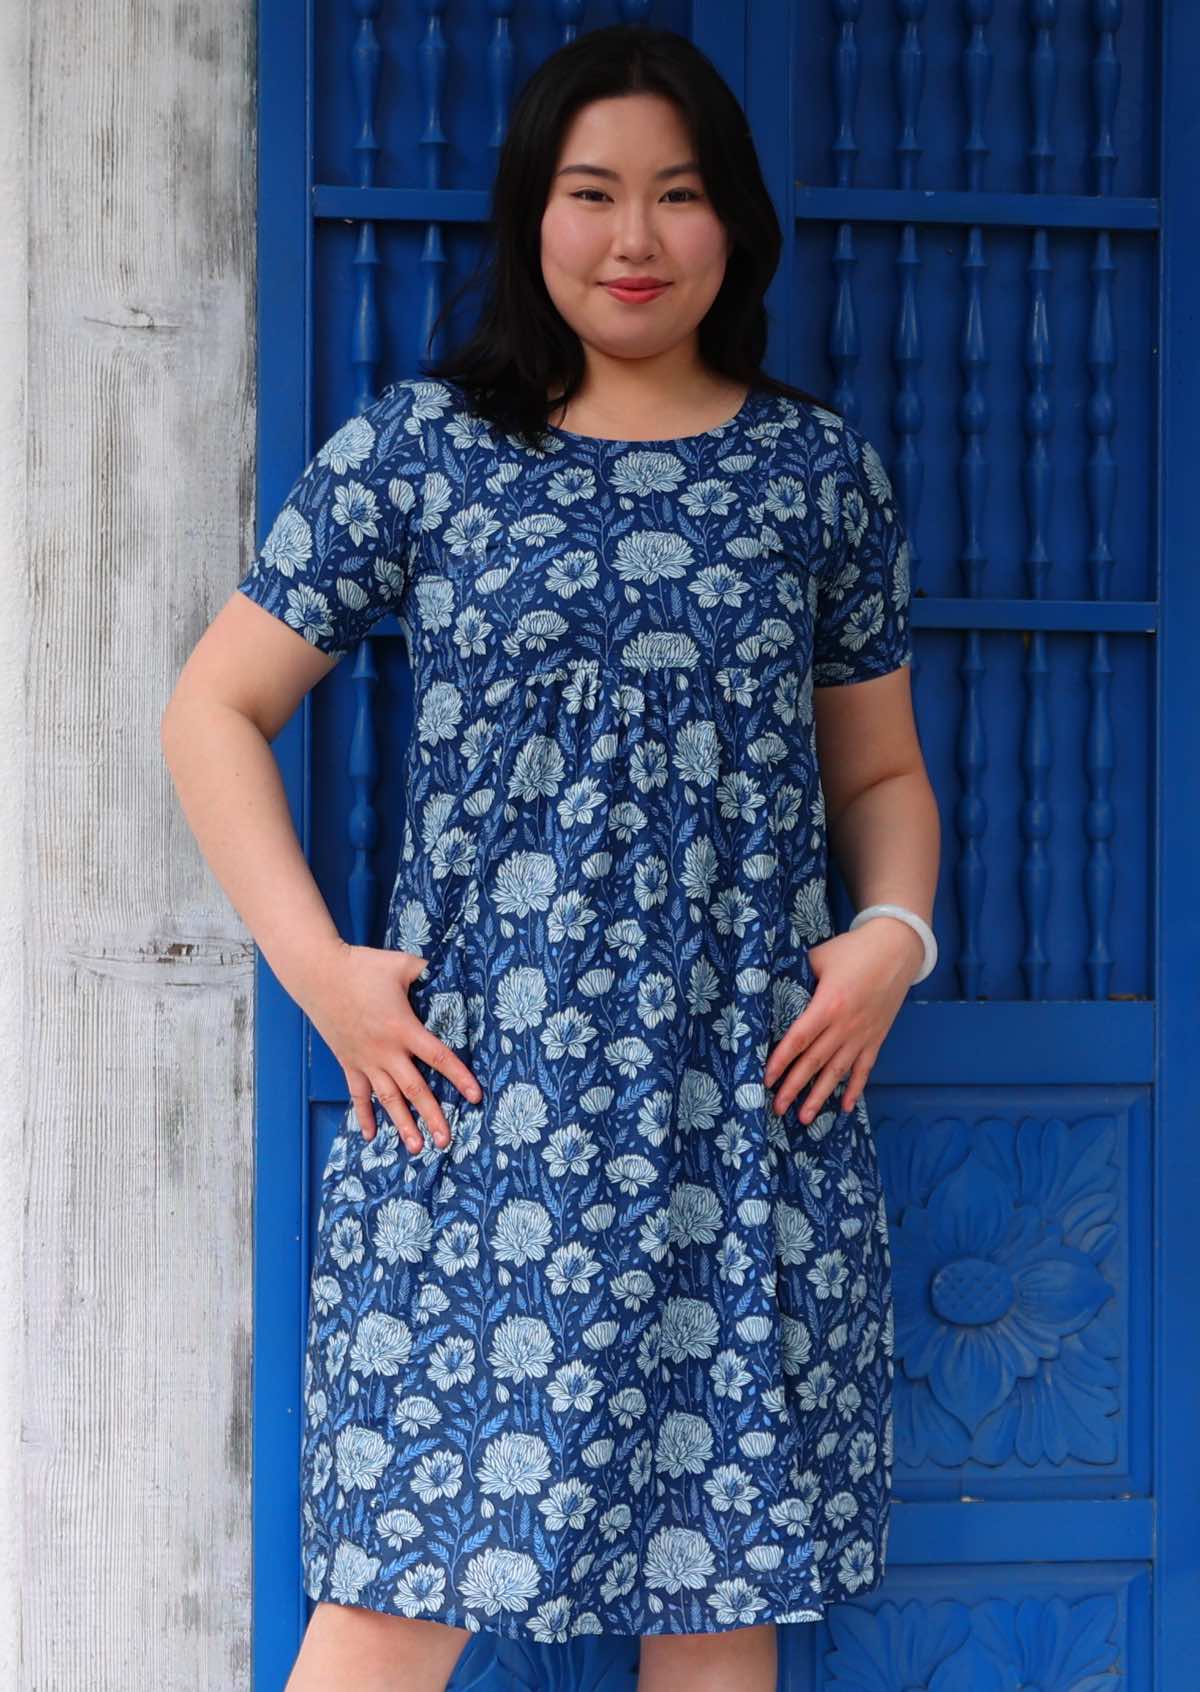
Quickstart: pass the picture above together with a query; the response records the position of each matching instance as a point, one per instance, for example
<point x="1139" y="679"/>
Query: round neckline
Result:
<point x="662" y="441"/>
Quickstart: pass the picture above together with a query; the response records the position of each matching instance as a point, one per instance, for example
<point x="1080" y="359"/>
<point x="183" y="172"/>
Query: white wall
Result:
<point x="126" y="491"/>
<point x="14" y="108"/>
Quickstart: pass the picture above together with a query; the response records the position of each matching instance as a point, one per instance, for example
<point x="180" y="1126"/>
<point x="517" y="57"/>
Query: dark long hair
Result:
<point x="521" y="345"/>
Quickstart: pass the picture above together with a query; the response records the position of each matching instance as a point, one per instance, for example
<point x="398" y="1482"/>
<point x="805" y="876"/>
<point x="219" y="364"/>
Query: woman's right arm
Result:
<point x="241" y="684"/>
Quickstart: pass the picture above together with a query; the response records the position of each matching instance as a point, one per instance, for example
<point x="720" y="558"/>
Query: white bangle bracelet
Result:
<point x="913" y="921"/>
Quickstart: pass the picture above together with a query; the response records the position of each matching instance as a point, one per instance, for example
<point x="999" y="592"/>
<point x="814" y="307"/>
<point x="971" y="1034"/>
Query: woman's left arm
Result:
<point x="884" y="831"/>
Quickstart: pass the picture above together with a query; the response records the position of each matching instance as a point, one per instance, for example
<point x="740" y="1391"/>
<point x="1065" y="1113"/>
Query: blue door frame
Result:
<point x="1050" y="1532"/>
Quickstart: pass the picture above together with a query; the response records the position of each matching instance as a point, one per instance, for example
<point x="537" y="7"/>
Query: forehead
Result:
<point x="629" y="135"/>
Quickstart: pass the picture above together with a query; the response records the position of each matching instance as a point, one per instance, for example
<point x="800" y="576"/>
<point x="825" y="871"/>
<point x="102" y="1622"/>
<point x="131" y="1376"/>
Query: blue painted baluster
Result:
<point x="363" y="828"/>
<point x="977" y="82"/>
<point x="567" y="14"/>
<point x="364" y="72"/>
<point x="908" y="411"/>
<point x="1037" y="751"/>
<point x="973" y="418"/>
<point x="1099" y="879"/>
<point x="843" y="330"/>
<point x="1106" y="83"/>
<point x="363" y="822"/>
<point x="431" y="73"/>
<point x="499" y="56"/>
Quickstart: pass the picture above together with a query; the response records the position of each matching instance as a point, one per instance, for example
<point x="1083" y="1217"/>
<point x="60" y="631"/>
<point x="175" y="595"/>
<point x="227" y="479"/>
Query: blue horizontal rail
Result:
<point x="965" y="1531"/>
<point x="1071" y="616"/>
<point x="332" y="200"/>
<point x="1068" y="1042"/>
<point x="948" y="205"/>
<point x="399" y="205"/>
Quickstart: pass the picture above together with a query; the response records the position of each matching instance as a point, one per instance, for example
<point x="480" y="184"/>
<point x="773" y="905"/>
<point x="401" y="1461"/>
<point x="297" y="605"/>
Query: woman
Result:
<point x="600" y="1318"/>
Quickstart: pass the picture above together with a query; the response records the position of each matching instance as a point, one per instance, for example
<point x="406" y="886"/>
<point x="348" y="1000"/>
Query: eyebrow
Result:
<point x="688" y="168"/>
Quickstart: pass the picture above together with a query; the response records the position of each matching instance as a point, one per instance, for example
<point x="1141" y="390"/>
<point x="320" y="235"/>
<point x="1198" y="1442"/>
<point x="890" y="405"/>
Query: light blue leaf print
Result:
<point x="494" y="580"/>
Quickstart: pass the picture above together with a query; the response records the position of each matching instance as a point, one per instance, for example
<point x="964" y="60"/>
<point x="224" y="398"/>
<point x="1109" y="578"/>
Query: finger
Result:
<point x="360" y="1095"/>
<point x="821" y="1010"/>
<point x="825" y="1083"/>
<point x="438" y="1055"/>
<point x="855" y="1082"/>
<point x="791" y="1043"/>
<point x="421" y="1097"/>
<point x="804" y="1068"/>
<point x="392" y="1099"/>
<point x="858" y="1080"/>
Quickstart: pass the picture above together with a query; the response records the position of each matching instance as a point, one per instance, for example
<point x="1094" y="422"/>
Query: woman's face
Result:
<point x="630" y="213"/>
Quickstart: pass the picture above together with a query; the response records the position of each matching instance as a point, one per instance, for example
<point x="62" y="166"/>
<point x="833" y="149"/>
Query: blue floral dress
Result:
<point x="619" y="1359"/>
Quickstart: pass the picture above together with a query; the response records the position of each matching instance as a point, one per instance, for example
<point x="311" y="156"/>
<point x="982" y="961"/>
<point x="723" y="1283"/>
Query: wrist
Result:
<point x="903" y="916"/>
<point x="901" y="935"/>
<point x="303" y="971"/>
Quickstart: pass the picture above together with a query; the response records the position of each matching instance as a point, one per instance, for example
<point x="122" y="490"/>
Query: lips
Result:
<point x="636" y="292"/>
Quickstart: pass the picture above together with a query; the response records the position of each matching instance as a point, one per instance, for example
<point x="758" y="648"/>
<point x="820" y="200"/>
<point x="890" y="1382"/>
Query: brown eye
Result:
<point x="578" y="193"/>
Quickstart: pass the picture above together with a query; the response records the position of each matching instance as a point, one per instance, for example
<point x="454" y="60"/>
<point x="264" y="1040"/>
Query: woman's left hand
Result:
<point x="863" y="978"/>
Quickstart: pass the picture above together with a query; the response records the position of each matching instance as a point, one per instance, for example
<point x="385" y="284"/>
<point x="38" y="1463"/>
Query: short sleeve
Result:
<point x="341" y="548"/>
<point x="862" y="624"/>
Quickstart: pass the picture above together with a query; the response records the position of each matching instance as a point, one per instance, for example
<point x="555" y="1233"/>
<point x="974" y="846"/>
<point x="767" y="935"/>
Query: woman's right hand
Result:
<point x="360" y="1008"/>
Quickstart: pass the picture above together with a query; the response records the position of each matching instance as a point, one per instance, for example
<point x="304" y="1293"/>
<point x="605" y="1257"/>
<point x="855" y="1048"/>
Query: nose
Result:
<point x="635" y="241"/>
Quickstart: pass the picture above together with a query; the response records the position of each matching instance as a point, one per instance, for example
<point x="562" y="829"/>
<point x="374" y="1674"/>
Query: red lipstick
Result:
<point x="637" y="289"/>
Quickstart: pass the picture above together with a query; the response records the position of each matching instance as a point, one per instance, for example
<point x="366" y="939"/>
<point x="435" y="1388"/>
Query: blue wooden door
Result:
<point x="987" y="268"/>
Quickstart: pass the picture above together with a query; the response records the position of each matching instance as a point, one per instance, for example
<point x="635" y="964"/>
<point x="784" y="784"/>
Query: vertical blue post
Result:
<point x="1177" y="913"/>
<point x="284" y="309"/>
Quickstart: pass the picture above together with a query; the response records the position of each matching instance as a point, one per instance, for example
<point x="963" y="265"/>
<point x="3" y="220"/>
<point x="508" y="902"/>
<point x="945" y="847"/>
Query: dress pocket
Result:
<point x="443" y="1003"/>
<point x="447" y="878"/>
